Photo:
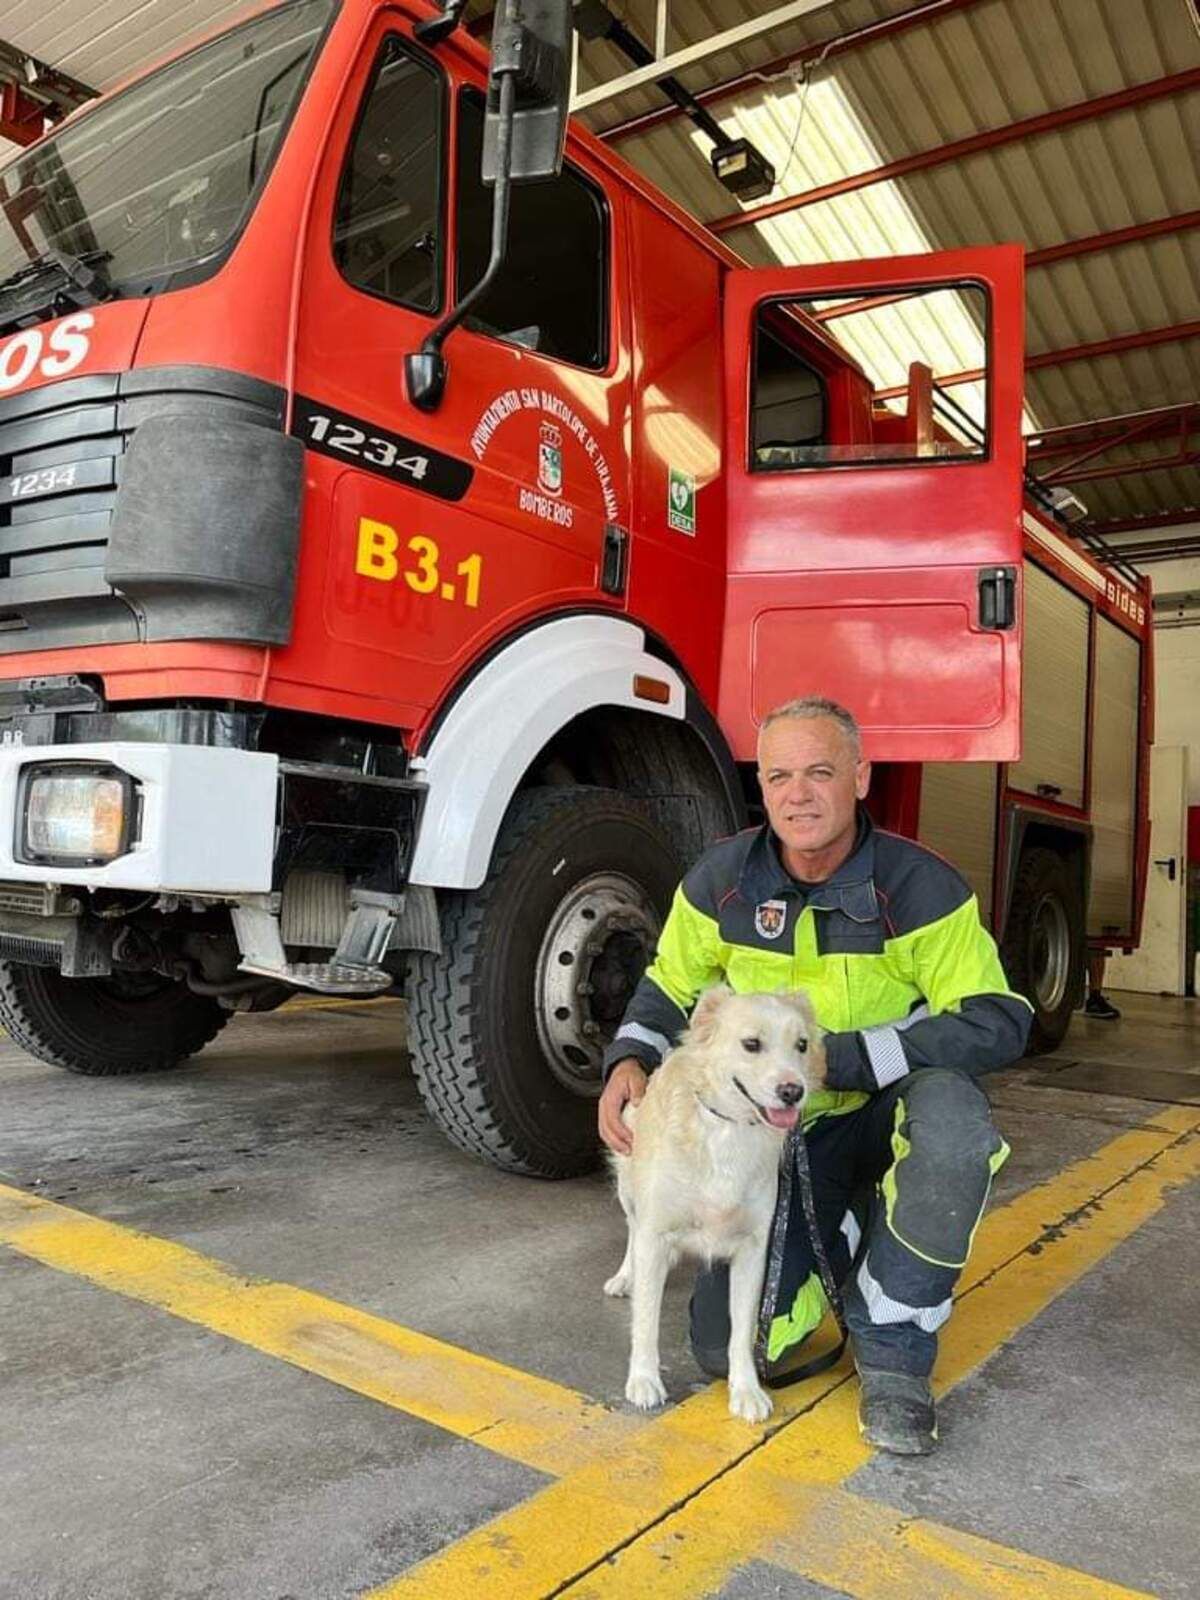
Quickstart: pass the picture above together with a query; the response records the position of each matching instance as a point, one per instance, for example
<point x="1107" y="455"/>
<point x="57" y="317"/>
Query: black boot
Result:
<point x="895" y="1412"/>
<point x="1096" y="1005"/>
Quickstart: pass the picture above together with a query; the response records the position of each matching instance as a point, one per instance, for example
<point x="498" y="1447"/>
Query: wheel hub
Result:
<point x="1051" y="952"/>
<point x="595" y="948"/>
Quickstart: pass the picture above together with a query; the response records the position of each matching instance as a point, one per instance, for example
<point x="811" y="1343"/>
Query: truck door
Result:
<point x="874" y="508"/>
<point x="428" y="535"/>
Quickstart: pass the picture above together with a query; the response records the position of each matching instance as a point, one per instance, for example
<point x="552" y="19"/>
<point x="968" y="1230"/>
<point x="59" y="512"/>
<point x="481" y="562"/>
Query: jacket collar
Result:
<point x="851" y="889"/>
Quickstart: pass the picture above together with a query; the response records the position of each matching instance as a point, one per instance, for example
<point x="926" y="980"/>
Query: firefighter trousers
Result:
<point x="912" y="1167"/>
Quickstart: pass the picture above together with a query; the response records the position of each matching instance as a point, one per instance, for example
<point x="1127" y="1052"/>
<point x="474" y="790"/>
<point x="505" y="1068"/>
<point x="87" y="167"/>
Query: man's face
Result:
<point x="810" y="781"/>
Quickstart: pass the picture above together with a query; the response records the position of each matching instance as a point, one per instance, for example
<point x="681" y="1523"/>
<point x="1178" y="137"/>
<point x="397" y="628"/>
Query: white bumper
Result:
<point x="207" y="818"/>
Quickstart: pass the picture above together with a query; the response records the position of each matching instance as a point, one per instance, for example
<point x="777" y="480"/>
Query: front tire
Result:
<point x="508" y="1024"/>
<point x="105" y="1027"/>
<point x="1045" y="945"/>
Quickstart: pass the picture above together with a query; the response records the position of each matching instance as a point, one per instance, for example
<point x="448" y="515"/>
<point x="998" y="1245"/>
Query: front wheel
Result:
<point x="508" y="1025"/>
<point x="105" y="1027"/>
<point x="1045" y="945"/>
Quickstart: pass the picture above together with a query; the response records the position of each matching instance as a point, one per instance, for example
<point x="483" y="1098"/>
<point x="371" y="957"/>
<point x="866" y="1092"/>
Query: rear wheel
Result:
<point x="1044" y="944"/>
<point x="508" y="1025"/>
<point x="105" y="1027"/>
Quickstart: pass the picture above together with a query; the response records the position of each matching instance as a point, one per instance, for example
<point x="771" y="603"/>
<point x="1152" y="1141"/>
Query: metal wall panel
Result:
<point x="958" y="820"/>
<point x="1053" y="690"/>
<point x="1114" y="779"/>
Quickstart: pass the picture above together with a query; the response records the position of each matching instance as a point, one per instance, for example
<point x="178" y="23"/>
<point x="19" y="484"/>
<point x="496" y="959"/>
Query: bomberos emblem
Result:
<point x="550" y="461"/>
<point x="769" y="918"/>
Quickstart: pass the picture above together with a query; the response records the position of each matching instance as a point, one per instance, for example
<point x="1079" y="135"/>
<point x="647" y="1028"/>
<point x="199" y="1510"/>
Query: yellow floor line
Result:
<point x="873" y="1552"/>
<point x="529" y="1419"/>
<point x="695" y="1494"/>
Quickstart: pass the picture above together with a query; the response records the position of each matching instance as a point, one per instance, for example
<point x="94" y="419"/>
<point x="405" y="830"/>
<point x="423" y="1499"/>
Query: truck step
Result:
<point x="326" y="977"/>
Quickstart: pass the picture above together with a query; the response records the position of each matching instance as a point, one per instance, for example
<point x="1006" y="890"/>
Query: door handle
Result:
<point x="997" y="597"/>
<point x="614" y="558"/>
<point x="1169" y="863"/>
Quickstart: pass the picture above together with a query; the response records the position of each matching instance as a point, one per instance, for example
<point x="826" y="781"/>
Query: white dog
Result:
<point x="702" y="1178"/>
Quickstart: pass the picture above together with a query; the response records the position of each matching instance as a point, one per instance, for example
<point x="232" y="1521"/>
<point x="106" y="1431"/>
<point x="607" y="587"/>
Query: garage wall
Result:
<point x="1177" y="654"/>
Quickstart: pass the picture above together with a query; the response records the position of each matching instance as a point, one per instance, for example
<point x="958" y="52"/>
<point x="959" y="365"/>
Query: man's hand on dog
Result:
<point x="626" y="1085"/>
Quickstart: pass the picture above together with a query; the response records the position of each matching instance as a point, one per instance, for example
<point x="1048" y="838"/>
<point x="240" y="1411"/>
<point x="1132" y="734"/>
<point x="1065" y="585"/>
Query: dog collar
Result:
<point x="722" y="1115"/>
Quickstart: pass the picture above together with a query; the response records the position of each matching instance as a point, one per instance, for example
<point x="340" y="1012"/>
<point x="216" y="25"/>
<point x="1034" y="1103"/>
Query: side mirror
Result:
<point x="531" y="42"/>
<point x="529" y="89"/>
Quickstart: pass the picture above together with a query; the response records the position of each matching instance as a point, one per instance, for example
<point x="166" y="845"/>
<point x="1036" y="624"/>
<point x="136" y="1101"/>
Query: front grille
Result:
<point x="27" y="899"/>
<point x="61" y="453"/>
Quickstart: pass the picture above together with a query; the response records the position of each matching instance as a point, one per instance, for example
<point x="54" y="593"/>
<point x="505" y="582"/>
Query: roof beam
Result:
<point x="812" y="55"/>
<point x="992" y="138"/>
<point x="666" y="66"/>
<point x="1141" y="428"/>
<point x="1041" y="258"/>
<point x="22" y="118"/>
<point x="1044" y="440"/>
<point x="1148" y="522"/>
<point x="33" y="94"/>
<point x="1126" y="469"/>
<point x="1141" y="340"/>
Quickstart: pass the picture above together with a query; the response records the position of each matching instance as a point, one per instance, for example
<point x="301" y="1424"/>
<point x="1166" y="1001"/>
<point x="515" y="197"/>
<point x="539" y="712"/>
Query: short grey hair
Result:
<point x="815" y="705"/>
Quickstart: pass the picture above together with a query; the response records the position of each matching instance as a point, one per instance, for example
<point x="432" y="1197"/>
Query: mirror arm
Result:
<point x="434" y="29"/>
<point x="425" y="371"/>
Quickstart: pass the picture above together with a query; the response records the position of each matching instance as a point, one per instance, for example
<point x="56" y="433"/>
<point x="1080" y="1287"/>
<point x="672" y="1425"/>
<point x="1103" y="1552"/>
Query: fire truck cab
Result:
<point x="363" y="625"/>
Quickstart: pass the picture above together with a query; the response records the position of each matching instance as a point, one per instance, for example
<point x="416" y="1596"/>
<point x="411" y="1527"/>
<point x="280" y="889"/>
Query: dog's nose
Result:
<point x="790" y="1093"/>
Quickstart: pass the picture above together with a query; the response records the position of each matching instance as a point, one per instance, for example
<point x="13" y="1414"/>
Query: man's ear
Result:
<point x="862" y="779"/>
<point x="704" y="1017"/>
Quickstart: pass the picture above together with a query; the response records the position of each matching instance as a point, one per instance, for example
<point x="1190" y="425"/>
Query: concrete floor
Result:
<point x="145" y="1457"/>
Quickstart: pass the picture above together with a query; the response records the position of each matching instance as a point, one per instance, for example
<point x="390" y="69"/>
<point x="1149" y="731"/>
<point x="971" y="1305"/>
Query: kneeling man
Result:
<point x="886" y="940"/>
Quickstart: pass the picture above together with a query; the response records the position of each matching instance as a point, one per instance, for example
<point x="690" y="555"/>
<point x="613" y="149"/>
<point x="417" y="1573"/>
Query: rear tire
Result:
<point x="105" y="1027"/>
<point x="506" y="1026"/>
<point x="1044" y="947"/>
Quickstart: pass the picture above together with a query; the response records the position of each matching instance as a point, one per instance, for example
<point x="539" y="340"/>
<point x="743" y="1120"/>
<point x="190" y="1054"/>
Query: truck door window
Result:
<point x="905" y="344"/>
<point x="552" y="293"/>
<point x="789" y="403"/>
<point x="387" y="232"/>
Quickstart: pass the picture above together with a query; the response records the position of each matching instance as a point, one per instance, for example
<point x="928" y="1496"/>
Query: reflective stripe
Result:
<point x="884" y="1311"/>
<point x="851" y="1232"/>
<point x="886" y="1055"/>
<point x="808" y="1308"/>
<point x="917" y="1014"/>
<point x="640" y="1035"/>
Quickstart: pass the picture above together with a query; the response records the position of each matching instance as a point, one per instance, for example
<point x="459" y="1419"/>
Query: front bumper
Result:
<point x="205" y="824"/>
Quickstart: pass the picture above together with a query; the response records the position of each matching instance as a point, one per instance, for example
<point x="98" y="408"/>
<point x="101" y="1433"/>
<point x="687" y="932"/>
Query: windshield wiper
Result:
<point x="55" y="281"/>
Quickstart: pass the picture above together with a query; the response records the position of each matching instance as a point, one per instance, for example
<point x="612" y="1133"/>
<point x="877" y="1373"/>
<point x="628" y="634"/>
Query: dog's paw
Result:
<point x="618" y="1285"/>
<point x="750" y="1401"/>
<point x="645" y="1390"/>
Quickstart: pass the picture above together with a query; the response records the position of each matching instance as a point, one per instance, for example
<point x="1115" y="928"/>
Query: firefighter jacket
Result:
<point x="890" y="950"/>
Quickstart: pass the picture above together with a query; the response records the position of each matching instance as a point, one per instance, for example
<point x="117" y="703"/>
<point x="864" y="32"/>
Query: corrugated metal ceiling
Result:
<point x="979" y="66"/>
<point x="982" y="67"/>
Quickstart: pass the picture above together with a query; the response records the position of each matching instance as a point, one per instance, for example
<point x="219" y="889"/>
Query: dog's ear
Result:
<point x="705" y="1015"/>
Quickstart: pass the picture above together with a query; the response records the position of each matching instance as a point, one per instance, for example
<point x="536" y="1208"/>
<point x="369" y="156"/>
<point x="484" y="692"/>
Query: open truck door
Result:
<point x="874" y="508"/>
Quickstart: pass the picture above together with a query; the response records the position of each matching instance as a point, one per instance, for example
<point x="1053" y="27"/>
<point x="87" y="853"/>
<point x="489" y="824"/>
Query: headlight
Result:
<point x="75" y="814"/>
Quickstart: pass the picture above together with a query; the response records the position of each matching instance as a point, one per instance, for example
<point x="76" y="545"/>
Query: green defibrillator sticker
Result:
<point x="681" y="501"/>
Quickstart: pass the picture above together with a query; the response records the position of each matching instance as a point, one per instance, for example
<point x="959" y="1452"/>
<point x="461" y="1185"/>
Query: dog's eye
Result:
<point x="753" y="1046"/>
<point x="802" y="1045"/>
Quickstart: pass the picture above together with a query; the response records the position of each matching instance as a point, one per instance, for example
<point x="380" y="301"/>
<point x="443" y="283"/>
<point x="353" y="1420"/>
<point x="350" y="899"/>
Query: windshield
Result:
<point x="161" y="178"/>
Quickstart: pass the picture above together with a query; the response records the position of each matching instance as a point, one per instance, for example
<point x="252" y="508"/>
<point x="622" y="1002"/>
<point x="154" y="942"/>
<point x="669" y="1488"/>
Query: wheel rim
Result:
<point x="595" y="948"/>
<point x="1051" y="952"/>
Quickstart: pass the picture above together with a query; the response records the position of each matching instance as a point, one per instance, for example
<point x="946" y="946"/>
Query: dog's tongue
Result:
<point x="783" y="1116"/>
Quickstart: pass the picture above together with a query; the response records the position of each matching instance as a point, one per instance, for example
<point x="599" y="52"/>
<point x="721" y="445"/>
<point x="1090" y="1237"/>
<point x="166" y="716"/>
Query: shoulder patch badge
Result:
<point x="769" y="918"/>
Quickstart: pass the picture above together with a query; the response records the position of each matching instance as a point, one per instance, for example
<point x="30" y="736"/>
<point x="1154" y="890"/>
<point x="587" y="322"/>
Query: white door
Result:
<point x="1157" y="966"/>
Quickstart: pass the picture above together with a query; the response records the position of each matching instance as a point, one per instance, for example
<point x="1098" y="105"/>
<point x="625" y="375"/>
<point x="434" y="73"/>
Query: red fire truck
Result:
<point x="395" y="564"/>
